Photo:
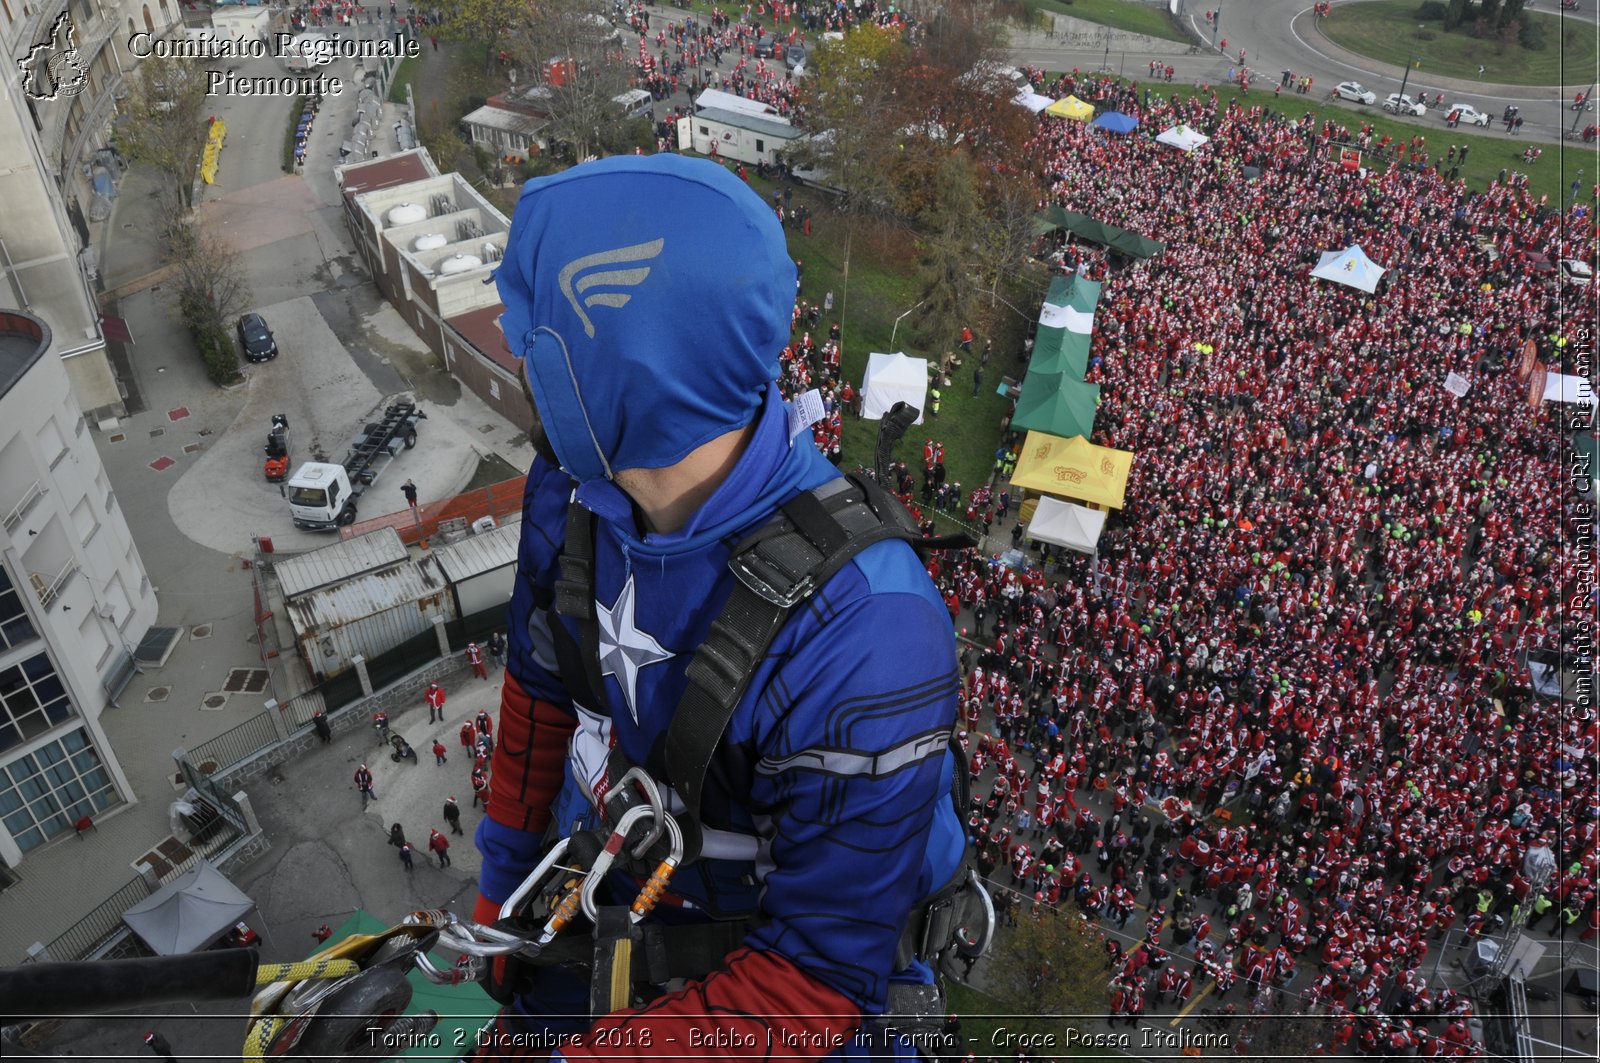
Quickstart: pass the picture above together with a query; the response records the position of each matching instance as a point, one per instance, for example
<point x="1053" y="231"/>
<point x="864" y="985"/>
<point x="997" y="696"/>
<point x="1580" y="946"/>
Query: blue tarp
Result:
<point x="104" y="185"/>
<point x="1117" y="122"/>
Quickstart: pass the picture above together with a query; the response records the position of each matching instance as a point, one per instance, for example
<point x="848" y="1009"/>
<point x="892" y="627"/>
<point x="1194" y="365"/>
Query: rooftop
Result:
<point x="408" y="166"/>
<point x="23" y="339"/>
<point x="481" y="328"/>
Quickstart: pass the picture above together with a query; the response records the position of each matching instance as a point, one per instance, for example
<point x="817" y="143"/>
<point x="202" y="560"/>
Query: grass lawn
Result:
<point x="402" y="78"/>
<point x="882" y="287"/>
<point x="1386" y="30"/>
<point x="1149" y="19"/>
<point x="1490" y="151"/>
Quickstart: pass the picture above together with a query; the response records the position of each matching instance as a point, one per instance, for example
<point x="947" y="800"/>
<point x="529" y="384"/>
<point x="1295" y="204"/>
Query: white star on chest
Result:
<point x="624" y="649"/>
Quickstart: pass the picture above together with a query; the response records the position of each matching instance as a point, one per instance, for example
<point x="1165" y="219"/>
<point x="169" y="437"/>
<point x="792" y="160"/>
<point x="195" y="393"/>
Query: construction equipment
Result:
<point x="276" y="467"/>
<point x="322" y="495"/>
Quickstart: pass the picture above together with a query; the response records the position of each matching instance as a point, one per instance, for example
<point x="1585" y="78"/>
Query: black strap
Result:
<point x="574" y="594"/>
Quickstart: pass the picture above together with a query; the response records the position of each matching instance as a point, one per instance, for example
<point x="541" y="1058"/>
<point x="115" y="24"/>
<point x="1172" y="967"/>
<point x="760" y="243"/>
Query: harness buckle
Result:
<point x="656" y="884"/>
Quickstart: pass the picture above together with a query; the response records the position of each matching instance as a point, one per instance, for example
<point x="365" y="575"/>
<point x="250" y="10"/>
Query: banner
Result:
<point x="1530" y="351"/>
<point x="1457" y="385"/>
<point x="1536" y="383"/>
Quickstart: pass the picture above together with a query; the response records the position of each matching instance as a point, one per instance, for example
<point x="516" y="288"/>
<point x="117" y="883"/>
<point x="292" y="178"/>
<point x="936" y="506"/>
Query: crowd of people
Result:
<point x="1294" y="692"/>
<point x="1292" y="696"/>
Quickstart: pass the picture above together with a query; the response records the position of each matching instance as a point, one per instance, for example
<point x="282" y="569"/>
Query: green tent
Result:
<point x="1055" y="404"/>
<point x="1095" y="231"/>
<point x="1065" y="323"/>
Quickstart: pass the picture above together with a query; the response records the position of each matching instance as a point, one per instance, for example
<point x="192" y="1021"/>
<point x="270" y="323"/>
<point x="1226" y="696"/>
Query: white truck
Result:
<point x="322" y="495"/>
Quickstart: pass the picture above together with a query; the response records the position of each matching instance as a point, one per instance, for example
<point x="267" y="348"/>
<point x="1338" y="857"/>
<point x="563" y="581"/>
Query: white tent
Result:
<point x="893" y="378"/>
<point x="1032" y="100"/>
<point x="1561" y="387"/>
<point x="1067" y="524"/>
<point x="189" y="913"/>
<point x="1183" y="138"/>
<point x="1350" y="267"/>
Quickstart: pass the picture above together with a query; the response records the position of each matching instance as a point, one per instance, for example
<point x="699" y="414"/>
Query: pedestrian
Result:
<point x="397" y="835"/>
<point x="319" y="724"/>
<point x="484" y="723"/>
<point x="438" y="752"/>
<point x="480" y="788"/>
<point x="158" y="1044"/>
<point x="405" y="857"/>
<point x="439" y="845"/>
<point x="434" y="38"/>
<point x="475" y="658"/>
<point x="452" y="815"/>
<point x="409" y="489"/>
<point x="977" y="380"/>
<point x="435" y="699"/>
<point x="364" y="784"/>
<point x="322" y="933"/>
<point x="468" y="735"/>
<point x="497" y="650"/>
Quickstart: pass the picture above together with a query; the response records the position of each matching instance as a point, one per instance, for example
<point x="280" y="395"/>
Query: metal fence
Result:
<point x="393" y="665"/>
<point x="230" y="747"/>
<point x="330" y="697"/>
<point x="100" y="927"/>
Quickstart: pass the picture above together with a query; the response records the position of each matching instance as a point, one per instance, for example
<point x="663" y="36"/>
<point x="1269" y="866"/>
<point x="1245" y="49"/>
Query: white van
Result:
<point x="635" y="103"/>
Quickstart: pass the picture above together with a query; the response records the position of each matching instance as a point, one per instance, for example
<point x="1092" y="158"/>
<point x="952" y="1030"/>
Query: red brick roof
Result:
<point x="481" y="329"/>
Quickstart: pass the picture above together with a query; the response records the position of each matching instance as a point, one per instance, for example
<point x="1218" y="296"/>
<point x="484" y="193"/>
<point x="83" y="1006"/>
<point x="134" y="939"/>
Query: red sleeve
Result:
<point x="528" y="762"/>
<point x="759" y="1006"/>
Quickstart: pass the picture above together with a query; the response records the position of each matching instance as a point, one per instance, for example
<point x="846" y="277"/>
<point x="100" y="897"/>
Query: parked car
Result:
<point x="768" y="47"/>
<point x="1353" y="90"/>
<point x="256" y="339"/>
<point x="1398" y="104"/>
<point x="794" y="56"/>
<point x="1467" y="114"/>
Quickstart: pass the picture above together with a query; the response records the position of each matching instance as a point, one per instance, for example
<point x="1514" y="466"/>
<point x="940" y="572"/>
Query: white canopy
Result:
<point x="1351" y="267"/>
<point x="1183" y="138"/>
<point x="1067" y="524"/>
<point x="1561" y="387"/>
<point x="189" y="913"/>
<point x="1032" y="100"/>
<point x="893" y="378"/>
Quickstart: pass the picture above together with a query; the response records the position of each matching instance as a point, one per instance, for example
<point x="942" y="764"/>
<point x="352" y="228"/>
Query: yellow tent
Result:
<point x="1073" y="468"/>
<point x="1072" y="108"/>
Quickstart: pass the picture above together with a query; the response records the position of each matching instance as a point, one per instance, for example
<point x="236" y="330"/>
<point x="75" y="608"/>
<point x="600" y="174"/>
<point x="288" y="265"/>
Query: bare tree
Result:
<point x="490" y="22"/>
<point x="576" y="54"/>
<point x="212" y="292"/>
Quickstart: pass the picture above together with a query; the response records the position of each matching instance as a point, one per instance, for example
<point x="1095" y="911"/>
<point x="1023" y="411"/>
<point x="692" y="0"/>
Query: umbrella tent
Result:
<point x="1117" y="122"/>
<point x="1095" y="231"/>
<point x="189" y="913"/>
<point x="1183" y="137"/>
<point x="1071" y="107"/>
<point x="1350" y="267"/>
<point x="1073" y="468"/>
<point x="1032" y="100"/>
<point x="893" y="378"/>
<point x="1057" y="404"/>
<point x="1067" y="524"/>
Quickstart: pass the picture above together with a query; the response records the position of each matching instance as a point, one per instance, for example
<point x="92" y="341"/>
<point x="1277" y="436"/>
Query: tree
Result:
<point x="163" y="125"/>
<point x="591" y="72"/>
<point x="1053" y="964"/>
<point x="212" y="292"/>
<point x="488" y="22"/>
<point x="953" y="222"/>
<point x="1511" y="12"/>
<point x="852" y="106"/>
<point x="1455" y="14"/>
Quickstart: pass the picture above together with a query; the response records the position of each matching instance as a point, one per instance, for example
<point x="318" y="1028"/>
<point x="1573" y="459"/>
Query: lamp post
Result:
<point x="897" y="321"/>
<point x="1411" y="61"/>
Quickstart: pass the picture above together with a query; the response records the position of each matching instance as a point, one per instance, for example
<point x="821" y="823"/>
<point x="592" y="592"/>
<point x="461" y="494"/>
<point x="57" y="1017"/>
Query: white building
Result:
<point x="58" y="173"/>
<point x="74" y="601"/>
<point x="738" y="133"/>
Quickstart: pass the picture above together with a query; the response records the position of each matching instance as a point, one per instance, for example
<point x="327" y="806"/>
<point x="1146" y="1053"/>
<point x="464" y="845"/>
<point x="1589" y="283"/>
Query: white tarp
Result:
<point x="893" y="378"/>
<point x="189" y="913"/>
<point x="1183" y="138"/>
<point x="1067" y="524"/>
<point x="1560" y="387"/>
<point x="1032" y="100"/>
<point x="1053" y="316"/>
<point x="1350" y="267"/>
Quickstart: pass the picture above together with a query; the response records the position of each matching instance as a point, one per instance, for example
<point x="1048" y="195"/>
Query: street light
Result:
<point x="897" y="321"/>
<point x="1417" y="60"/>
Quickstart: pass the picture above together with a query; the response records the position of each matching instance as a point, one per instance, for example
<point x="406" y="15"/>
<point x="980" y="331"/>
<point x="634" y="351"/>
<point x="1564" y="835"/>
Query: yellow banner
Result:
<point x="1073" y="468"/>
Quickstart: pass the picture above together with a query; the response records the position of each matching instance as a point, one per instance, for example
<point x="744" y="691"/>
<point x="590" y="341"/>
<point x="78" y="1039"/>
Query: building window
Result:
<point x="760" y="145"/>
<point x="32" y="700"/>
<point x="43" y="793"/>
<point x="15" y="627"/>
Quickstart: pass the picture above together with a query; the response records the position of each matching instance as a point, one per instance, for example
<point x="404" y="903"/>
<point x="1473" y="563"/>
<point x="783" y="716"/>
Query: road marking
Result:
<point x="1187" y="1008"/>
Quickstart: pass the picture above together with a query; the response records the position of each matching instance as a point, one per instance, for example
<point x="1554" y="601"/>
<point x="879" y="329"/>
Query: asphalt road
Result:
<point x="1279" y="34"/>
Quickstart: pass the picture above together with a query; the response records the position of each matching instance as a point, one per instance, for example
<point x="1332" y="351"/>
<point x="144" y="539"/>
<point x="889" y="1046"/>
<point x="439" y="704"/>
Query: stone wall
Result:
<point x="1066" y="32"/>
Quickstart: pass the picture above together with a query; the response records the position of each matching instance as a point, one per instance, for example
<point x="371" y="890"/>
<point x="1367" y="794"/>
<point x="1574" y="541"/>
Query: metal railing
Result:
<point x="83" y="939"/>
<point x="230" y="747"/>
<point x="29" y="497"/>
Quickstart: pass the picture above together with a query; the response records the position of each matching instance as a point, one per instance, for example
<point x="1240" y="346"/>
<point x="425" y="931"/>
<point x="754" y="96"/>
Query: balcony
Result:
<point x="48" y="589"/>
<point x="20" y="510"/>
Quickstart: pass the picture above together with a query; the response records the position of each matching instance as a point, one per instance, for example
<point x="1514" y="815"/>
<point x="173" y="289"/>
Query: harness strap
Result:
<point x="574" y="594"/>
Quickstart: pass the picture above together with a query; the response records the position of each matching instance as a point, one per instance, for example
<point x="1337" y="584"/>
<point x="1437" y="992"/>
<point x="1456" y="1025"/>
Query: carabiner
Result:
<point x="651" y="892"/>
<point x="652" y="792"/>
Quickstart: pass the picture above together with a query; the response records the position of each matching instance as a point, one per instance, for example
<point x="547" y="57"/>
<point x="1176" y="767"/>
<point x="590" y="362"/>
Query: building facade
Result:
<point x="67" y="64"/>
<point x="74" y="602"/>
